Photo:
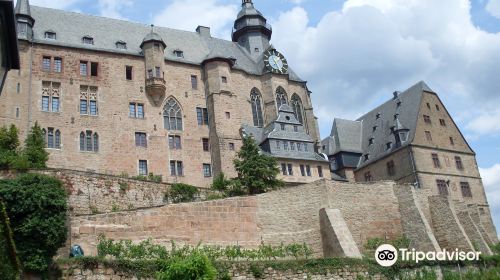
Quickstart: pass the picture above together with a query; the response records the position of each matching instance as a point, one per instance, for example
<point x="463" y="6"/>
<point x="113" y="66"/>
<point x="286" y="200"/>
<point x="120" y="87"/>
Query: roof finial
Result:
<point x="152" y="28"/>
<point x="247" y="1"/>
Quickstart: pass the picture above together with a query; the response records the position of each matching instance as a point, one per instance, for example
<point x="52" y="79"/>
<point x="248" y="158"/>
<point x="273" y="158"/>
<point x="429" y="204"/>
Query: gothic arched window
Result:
<point x="58" y="139"/>
<point x="82" y="141"/>
<point x="256" y="98"/>
<point x="172" y="115"/>
<point x="298" y="108"/>
<point x="281" y="97"/>
<point x="96" y="142"/>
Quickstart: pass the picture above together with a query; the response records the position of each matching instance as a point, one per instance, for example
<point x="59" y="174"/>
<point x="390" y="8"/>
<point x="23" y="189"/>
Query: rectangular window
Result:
<point x="283" y="169"/>
<point x="282" y="127"/>
<point x="295" y="128"/>
<point x="150" y="73"/>
<point x="391" y="168"/>
<point x="428" y="135"/>
<point x="93" y="107"/>
<point x="55" y="104"/>
<point x="285" y="145"/>
<point x="180" y="168"/>
<point x="466" y="191"/>
<point x="299" y="147"/>
<point x="292" y="146"/>
<point x="128" y="73"/>
<point x="302" y="170"/>
<point x="442" y="122"/>
<point x="308" y="170"/>
<point x="194" y="82"/>
<point x="231" y="146"/>
<point x="93" y="69"/>
<point x="435" y="160"/>
<point x="141" y="140"/>
<point x="368" y="177"/>
<point x="452" y="142"/>
<point x="88" y="140"/>
<point x="50" y="138"/>
<point x="83" y="68"/>
<point x="45" y="103"/>
<point x="143" y="167"/>
<point x="228" y="115"/>
<point x="136" y="110"/>
<point x="442" y="187"/>
<point x="290" y="169"/>
<point x="437" y="107"/>
<point x="306" y="147"/>
<point x="174" y="142"/>
<point x="320" y="171"/>
<point x="206" y="145"/>
<point x="224" y="79"/>
<point x="158" y="72"/>
<point x="46" y="63"/>
<point x="207" y="170"/>
<point x="57" y="64"/>
<point x="83" y="107"/>
<point x="458" y="162"/>
<point x="427" y="119"/>
<point x="202" y="116"/>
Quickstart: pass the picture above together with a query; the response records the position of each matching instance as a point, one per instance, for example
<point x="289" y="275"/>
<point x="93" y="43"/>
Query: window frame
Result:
<point x="141" y="139"/>
<point x="442" y="187"/>
<point x="205" y="173"/>
<point x="466" y="190"/>
<point x="129" y="73"/>
<point x="391" y="168"/>
<point x="142" y="167"/>
<point x="436" y="161"/>
<point x="205" y="142"/>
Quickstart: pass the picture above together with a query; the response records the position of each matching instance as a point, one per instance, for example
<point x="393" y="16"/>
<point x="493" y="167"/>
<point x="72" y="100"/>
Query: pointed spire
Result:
<point x="23" y="8"/>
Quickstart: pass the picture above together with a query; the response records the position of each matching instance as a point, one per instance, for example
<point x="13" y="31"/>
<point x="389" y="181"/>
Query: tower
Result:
<point x="251" y="30"/>
<point x="153" y="48"/>
<point x="25" y="21"/>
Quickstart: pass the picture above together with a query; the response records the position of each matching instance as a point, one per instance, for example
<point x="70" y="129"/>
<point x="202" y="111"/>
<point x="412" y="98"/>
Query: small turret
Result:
<point x="25" y="21"/>
<point x="400" y="132"/>
<point x="153" y="48"/>
<point x="251" y="30"/>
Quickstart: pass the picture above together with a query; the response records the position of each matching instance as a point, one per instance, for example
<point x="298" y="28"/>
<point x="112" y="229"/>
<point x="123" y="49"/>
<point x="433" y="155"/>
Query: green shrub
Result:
<point x="154" y="178"/>
<point x="195" y="266"/>
<point x="256" y="270"/>
<point x="36" y="206"/>
<point x="9" y="145"/>
<point x="182" y="193"/>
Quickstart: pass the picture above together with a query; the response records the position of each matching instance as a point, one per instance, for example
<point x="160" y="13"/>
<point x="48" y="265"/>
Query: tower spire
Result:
<point x="25" y="21"/>
<point x="251" y="29"/>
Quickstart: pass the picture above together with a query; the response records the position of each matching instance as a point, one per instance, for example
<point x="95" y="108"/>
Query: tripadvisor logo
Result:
<point x="387" y="255"/>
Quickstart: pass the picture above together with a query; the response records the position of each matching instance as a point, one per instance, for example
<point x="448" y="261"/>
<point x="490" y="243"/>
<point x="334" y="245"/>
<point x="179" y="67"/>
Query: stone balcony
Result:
<point x="155" y="88"/>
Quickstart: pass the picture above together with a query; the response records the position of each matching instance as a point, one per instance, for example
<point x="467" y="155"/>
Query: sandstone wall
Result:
<point x="90" y="193"/>
<point x="289" y="215"/>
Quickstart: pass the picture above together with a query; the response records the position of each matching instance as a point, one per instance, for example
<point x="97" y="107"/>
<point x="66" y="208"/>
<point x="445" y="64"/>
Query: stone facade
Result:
<point x="213" y="84"/>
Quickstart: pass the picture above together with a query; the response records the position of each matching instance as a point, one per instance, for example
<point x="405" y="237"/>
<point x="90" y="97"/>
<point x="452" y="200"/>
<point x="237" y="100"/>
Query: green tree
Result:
<point x="195" y="266"/>
<point x="9" y="146"/>
<point x="256" y="171"/>
<point x="36" y="206"/>
<point x="182" y="193"/>
<point x="34" y="149"/>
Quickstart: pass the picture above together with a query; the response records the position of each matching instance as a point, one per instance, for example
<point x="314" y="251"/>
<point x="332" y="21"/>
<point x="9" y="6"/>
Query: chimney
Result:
<point x="203" y="31"/>
<point x="396" y="95"/>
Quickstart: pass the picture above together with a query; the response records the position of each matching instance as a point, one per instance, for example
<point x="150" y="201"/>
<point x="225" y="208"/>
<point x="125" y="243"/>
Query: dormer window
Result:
<point x="377" y="116"/>
<point x="51" y="35"/>
<point x="388" y="146"/>
<point x="403" y="136"/>
<point x="398" y="104"/>
<point x="179" y="53"/>
<point x="374" y="128"/>
<point x="396" y="116"/>
<point x="367" y="157"/>
<point x="370" y="141"/>
<point x="87" y="40"/>
<point x="121" y="45"/>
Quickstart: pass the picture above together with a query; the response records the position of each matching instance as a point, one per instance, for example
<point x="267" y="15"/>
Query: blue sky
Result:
<point x="355" y="53"/>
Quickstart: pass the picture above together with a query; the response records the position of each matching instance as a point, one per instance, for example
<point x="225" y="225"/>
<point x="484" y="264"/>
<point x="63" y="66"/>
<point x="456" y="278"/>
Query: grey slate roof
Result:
<point x="407" y="111"/>
<point x="248" y="9"/>
<point x="71" y="27"/>
<point x="354" y="136"/>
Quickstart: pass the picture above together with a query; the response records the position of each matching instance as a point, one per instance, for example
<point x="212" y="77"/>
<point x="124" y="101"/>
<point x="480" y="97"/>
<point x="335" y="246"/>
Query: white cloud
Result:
<point x="356" y="57"/>
<point x="493" y="7"/>
<point x="188" y="14"/>
<point x="491" y="180"/>
<point x="112" y="8"/>
<point x="487" y="123"/>
<point x="55" y="4"/>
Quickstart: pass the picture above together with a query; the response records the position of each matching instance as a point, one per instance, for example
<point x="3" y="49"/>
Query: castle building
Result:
<point x="118" y="97"/>
<point x="410" y="139"/>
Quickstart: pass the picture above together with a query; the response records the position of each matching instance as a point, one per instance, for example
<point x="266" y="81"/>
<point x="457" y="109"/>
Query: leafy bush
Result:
<point x="9" y="263"/>
<point x="9" y="145"/>
<point x="195" y="266"/>
<point x="182" y="193"/>
<point x="36" y="206"/>
<point x="154" y="178"/>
